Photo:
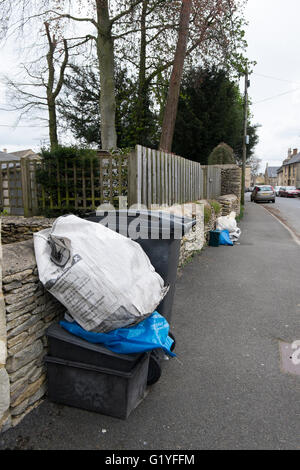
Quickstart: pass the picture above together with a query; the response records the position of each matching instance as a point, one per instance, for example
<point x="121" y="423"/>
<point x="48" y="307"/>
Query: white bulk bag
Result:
<point x="227" y="222"/>
<point x="234" y="236"/>
<point x="105" y="280"/>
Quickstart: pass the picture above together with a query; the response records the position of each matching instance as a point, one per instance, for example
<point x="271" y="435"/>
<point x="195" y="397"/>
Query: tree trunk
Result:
<point x="52" y="124"/>
<point x="175" y="80"/>
<point x="142" y="86"/>
<point x="50" y="85"/>
<point x="105" y="52"/>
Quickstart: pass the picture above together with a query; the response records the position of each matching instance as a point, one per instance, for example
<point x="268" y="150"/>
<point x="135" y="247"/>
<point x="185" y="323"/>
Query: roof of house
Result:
<point x="272" y="171"/>
<point x="294" y="159"/>
<point x="16" y="156"/>
<point x="8" y="157"/>
<point x="23" y="153"/>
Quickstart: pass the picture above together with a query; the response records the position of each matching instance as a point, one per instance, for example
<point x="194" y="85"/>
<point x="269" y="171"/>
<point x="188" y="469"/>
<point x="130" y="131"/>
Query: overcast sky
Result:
<point x="273" y="42"/>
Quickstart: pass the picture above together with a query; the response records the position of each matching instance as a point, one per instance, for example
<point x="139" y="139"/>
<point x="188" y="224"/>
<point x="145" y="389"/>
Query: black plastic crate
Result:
<point x="102" y="390"/>
<point x="214" y="238"/>
<point x="65" y="345"/>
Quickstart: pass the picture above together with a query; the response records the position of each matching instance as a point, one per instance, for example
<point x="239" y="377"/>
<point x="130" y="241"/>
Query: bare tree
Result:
<point x="104" y="22"/>
<point x="46" y="73"/>
<point x="255" y="164"/>
<point x="52" y="89"/>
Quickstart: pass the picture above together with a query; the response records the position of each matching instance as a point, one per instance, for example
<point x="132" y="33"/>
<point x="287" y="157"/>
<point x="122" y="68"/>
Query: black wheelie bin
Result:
<point x="159" y="233"/>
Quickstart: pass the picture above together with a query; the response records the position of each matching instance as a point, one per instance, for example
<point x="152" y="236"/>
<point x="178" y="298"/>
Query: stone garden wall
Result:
<point x="18" y="229"/>
<point x="229" y="203"/>
<point x="194" y="241"/>
<point x="26" y="312"/>
<point x="231" y="180"/>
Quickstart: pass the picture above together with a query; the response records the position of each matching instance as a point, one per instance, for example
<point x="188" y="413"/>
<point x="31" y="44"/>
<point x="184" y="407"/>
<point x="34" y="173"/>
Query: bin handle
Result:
<point x="165" y="290"/>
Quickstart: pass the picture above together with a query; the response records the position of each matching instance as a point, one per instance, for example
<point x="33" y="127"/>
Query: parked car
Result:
<point x="289" y="191"/>
<point x="264" y="193"/>
<point x="277" y="190"/>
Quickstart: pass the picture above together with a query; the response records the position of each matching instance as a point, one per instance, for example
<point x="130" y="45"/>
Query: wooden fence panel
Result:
<point x="157" y="177"/>
<point x="213" y="182"/>
<point x="161" y="178"/>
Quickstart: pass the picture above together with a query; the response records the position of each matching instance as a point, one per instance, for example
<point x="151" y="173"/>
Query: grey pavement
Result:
<point x="226" y="389"/>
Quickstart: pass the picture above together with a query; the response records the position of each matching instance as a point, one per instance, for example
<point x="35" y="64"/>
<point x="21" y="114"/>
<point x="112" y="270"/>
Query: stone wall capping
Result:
<point x="19" y="228"/>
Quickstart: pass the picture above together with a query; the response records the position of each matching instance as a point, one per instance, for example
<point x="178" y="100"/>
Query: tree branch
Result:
<point x="125" y="12"/>
<point x="70" y="17"/>
<point x="62" y="71"/>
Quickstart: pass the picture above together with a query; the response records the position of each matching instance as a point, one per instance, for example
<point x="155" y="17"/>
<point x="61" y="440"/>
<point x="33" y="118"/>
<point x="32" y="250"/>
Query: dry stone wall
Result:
<point x="195" y="239"/>
<point x="229" y="203"/>
<point x="231" y="180"/>
<point x="27" y="310"/>
<point x="17" y="229"/>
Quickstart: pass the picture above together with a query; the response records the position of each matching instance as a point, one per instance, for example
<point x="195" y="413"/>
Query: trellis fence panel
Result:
<point x="11" y="200"/>
<point x="84" y="185"/>
<point x="18" y="189"/>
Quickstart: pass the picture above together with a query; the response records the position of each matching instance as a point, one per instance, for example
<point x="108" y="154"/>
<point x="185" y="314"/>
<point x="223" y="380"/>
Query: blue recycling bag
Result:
<point x="149" y="334"/>
<point x="225" y="238"/>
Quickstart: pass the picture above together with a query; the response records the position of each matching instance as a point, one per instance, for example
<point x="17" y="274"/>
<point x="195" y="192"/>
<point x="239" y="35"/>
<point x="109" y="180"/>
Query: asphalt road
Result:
<point x="226" y="390"/>
<point x="290" y="211"/>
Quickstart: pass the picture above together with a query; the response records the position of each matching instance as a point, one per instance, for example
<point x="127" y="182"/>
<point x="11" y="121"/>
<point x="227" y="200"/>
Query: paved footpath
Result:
<point x="232" y="307"/>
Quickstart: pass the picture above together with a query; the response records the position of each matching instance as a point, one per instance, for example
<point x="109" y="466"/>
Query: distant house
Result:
<point x="6" y="157"/>
<point x="280" y="176"/>
<point x="25" y="153"/>
<point x="16" y="156"/>
<point x="271" y="175"/>
<point x="291" y="169"/>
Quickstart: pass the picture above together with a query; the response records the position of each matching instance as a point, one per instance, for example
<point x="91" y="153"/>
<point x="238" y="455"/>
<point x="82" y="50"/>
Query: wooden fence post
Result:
<point x="204" y="169"/>
<point x="25" y="176"/>
<point x="34" y="188"/>
<point x="133" y="177"/>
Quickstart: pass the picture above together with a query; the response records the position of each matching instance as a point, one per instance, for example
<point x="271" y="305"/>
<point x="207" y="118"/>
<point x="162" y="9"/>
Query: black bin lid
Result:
<point x="149" y="222"/>
<point x="57" y="332"/>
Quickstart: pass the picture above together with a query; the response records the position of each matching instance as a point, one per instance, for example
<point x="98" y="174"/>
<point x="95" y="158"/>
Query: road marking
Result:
<point x="294" y="237"/>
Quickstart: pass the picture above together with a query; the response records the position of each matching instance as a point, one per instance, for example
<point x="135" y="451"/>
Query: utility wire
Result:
<point x="274" y="78"/>
<point x="276" y="96"/>
<point x="16" y="126"/>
